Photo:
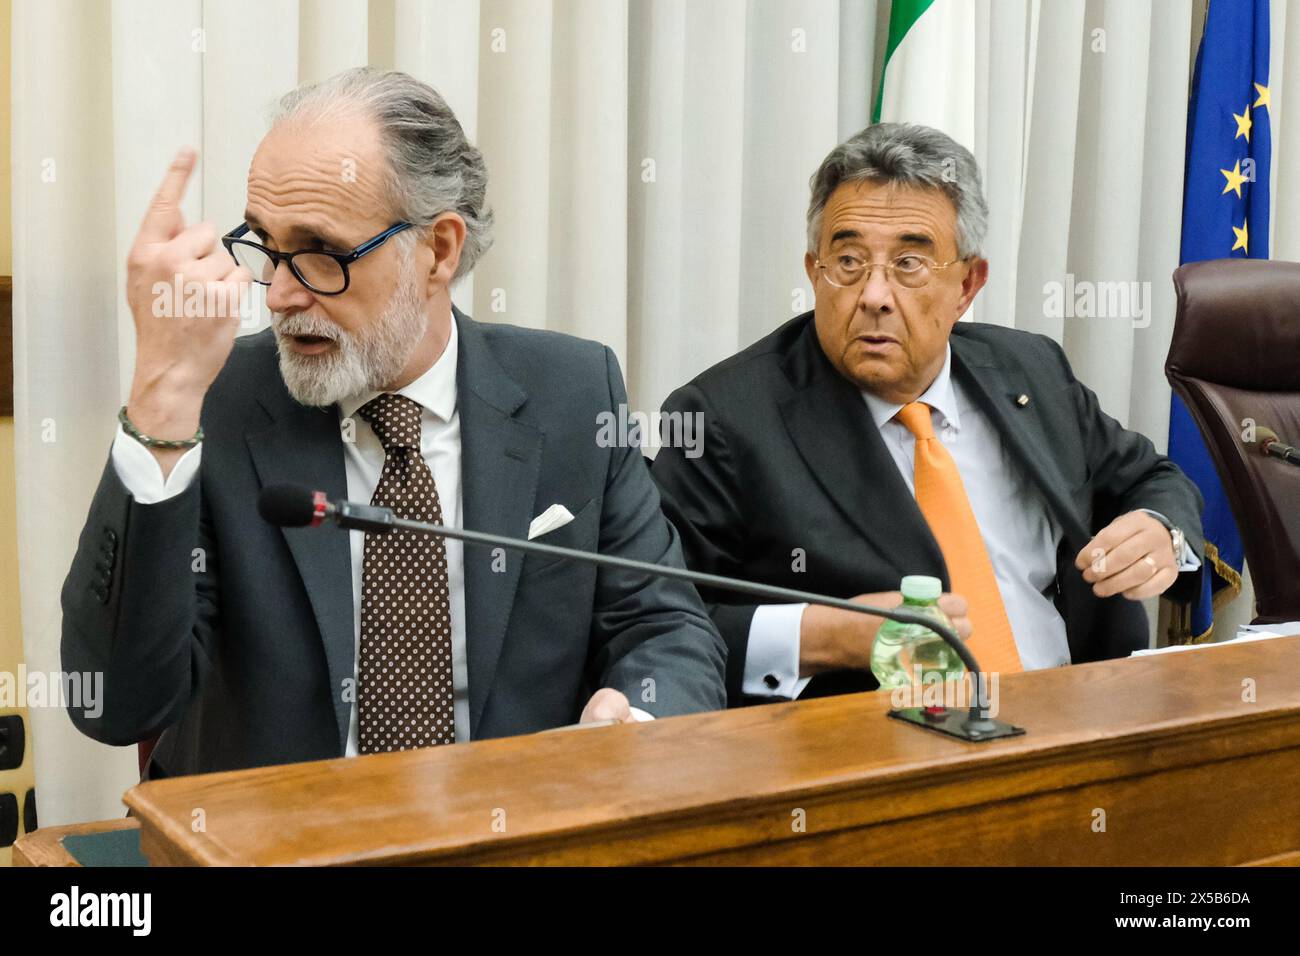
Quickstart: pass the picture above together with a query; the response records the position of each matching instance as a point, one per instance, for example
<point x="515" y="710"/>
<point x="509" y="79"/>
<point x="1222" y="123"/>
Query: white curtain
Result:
<point x="649" y="164"/>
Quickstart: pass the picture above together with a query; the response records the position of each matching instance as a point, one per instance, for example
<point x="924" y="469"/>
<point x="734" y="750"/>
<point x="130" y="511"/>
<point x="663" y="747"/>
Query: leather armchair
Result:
<point x="1235" y="361"/>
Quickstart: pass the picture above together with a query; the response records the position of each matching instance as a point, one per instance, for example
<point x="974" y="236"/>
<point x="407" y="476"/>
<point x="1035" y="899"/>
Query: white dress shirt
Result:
<point x="1018" y="529"/>
<point x="363" y="459"/>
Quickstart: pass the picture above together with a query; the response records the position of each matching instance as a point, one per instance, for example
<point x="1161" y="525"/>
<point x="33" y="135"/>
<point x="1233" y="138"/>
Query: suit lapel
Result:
<point x="303" y="446"/>
<point x="830" y="426"/>
<point x="500" y="465"/>
<point x="997" y="390"/>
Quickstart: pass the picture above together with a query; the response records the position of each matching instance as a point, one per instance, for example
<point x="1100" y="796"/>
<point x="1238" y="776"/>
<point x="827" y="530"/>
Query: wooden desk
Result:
<point x="44" y="847"/>
<point x="1162" y="750"/>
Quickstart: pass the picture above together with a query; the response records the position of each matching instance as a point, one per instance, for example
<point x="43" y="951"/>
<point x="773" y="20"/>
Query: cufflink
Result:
<point x="772" y="681"/>
<point x="1022" y="400"/>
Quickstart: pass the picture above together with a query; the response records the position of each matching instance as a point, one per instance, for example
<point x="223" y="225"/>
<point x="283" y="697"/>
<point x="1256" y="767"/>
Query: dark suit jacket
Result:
<point x="791" y="459"/>
<point x="243" y="663"/>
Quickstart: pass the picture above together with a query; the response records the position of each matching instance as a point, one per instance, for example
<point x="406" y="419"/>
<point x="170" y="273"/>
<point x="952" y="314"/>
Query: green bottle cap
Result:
<point x="921" y="587"/>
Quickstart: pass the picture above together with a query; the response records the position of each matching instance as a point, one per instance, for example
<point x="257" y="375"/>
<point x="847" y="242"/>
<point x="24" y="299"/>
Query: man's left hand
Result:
<point x="607" y="704"/>
<point x="1133" y="556"/>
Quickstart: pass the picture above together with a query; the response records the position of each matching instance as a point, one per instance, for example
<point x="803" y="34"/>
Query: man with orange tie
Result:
<point x="876" y="437"/>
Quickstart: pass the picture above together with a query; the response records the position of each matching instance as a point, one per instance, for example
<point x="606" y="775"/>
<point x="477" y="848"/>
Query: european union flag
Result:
<point x="1225" y="215"/>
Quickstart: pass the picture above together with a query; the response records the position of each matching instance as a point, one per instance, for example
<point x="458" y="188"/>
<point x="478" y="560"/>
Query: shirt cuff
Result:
<point x="1187" y="561"/>
<point x="640" y="714"/>
<point x="140" y="472"/>
<point x="772" y="657"/>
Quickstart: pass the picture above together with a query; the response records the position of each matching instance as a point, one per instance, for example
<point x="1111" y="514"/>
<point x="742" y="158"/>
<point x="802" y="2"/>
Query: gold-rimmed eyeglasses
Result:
<point x="911" y="270"/>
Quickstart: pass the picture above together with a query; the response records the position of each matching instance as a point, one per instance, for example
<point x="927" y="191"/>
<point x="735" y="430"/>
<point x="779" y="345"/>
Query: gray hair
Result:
<point x="908" y="155"/>
<point x="433" y="167"/>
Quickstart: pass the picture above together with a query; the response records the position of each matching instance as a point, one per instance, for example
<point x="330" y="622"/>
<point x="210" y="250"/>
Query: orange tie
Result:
<point x="942" y="499"/>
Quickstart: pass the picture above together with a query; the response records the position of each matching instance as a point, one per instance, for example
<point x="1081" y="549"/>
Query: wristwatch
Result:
<point x="1176" y="537"/>
<point x="1180" y="544"/>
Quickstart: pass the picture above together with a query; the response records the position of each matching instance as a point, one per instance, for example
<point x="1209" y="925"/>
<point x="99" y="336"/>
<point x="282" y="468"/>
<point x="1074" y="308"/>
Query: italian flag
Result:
<point x="929" y="73"/>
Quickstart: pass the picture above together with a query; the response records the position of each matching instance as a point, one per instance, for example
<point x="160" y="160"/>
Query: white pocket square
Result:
<point x="556" y="516"/>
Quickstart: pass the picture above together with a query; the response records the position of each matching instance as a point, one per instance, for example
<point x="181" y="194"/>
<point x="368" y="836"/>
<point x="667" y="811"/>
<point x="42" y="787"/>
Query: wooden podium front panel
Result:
<point x="1161" y="760"/>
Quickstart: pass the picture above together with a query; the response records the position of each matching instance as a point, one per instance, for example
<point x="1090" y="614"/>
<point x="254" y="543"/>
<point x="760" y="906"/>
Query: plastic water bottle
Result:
<point x="905" y="653"/>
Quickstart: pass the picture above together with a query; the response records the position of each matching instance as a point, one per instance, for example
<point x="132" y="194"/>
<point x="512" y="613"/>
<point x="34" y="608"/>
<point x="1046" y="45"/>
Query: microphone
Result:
<point x="294" y="506"/>
<point x="1271" y="445"/>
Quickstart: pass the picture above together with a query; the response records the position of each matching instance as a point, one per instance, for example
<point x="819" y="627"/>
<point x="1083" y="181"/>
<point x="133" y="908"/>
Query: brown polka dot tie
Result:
<point x="404" y="697"/>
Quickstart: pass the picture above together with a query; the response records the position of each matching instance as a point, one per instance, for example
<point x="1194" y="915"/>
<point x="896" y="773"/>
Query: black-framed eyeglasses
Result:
<point x="325" y="273"/>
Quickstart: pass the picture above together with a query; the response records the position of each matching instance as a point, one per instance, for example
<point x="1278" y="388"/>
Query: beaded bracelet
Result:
<point x="148" y="442"/>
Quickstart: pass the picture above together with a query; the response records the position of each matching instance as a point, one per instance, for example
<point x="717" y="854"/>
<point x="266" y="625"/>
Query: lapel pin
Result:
<point x="1022" y="400"/>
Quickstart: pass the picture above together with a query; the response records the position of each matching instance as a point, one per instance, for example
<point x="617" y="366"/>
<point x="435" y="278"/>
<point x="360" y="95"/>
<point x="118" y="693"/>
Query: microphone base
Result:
<point x="955" y="722"/>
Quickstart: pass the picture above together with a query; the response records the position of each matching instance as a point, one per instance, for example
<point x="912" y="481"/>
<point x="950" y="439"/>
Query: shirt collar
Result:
<point x="939" y="396"/>
<point x="435" y="390"/>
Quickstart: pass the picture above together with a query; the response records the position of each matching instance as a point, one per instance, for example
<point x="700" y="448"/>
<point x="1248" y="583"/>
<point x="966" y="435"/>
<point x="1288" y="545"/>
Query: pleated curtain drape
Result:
<point x="649" y="164"/>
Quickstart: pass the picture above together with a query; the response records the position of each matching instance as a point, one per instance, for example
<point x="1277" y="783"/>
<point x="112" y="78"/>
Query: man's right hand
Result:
<point x="178" y="355"/>
<point x="831" y="639"/>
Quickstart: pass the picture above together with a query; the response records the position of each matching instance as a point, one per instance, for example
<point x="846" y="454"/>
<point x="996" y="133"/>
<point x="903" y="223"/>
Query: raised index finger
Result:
<point x="163" y="220"/>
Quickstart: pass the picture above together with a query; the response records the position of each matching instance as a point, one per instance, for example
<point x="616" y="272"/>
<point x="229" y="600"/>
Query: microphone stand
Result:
<point x="1286" y="453"/>
<point x="976" y="726"/>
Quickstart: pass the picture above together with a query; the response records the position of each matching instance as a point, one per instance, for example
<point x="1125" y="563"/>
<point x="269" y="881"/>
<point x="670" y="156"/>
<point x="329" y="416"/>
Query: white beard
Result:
<point x="359" y="363"/>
